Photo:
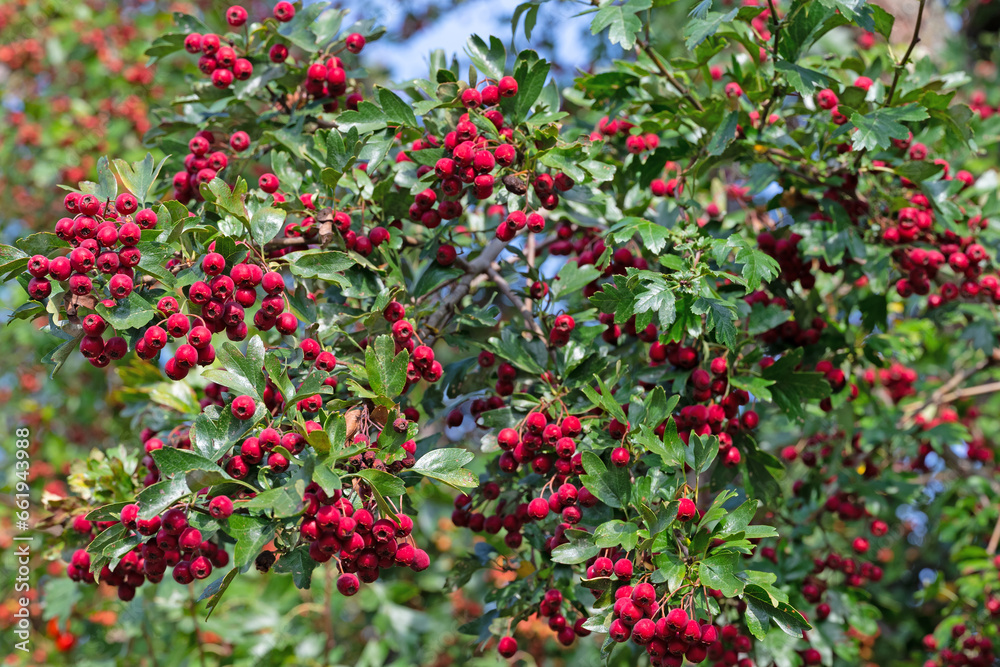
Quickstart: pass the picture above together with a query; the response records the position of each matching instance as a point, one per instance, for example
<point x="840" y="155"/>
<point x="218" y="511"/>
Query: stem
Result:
<point x="906" y="56"/>
<point x="504" y="286"/>
<point x="197" y="629"/>
<point x="670" y="77"/>
<point x="475" y="268"/>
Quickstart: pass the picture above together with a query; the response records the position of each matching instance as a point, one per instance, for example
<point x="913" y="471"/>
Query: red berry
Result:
<point x="243" y="407"/>
<point x="507" y="86"/>
<point x="507" y="647"/>
<point x="284" y="11"/>
<point x="620" y="457"/>
<point x="355" y="42"/>
<point x="220" y="507"/>
<point x="687" y="510"/>
<point x="348" y="584"/>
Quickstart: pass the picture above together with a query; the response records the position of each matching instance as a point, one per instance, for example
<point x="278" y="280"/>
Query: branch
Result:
<point x="906" y="56"/>
<point x="504" y="286"/>
<point x="670" y="77"/>
<point x="284" y="242"/>
<point x="474" y="269"/>
<point x="939" y="395"/>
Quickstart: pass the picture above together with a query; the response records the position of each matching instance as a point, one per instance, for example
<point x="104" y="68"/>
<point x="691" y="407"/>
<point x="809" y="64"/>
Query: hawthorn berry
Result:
<point x="243" y="407"/>
<point x="220" y="507"/>
<point x="354" y="42"/>
<point x="284" y="11"/>
<point x="507" y="647"/>
<point x="686" y="510"/>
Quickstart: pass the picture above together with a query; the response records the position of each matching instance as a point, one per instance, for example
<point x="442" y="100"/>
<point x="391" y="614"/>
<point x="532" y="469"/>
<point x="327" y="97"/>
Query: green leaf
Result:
<point x="215" y="590"/>
<point x="670" y="449"/>
<point x="299" y="31"/>
<point x="761" y="610"/>
<point x="490" y="60"/>
<point x="720" y="318"/>
<point x="792" y="390"/>
<point x="614" y="533"/>
<point x="615" y="299"/>
<point x="281" y="501"/>
<point x="327" y="479"/>
<point x="621" y="21"/>
<point x="368" y="118"/>
<point x="159" y="496"/>
<point x="107" y="184"/>
<point x="702" y="449"/>
<point x="654" y="237"/>
<point x="266" y="223"/>
<point x="130" y="313"/>
<point x="523" y="354"/>
<point x="803" y="79"/>
<point x="398" y="111"/>
<point x="383" y="482"/>
<point x="738" y="520"/>
<point x="758" y="266"/>
<point x="878" y="128"/>
<point x="725" y="135"/>
<point x="530" y="84"/>
<point x="433" y="276"/>
<point x="327" y="25"/>
<point x="612" y="487"/>
<point x="139" y="177"/>
<point x="251" y="534"/>
<point x="386" y="369"/>
<point x="230" y="201"/>
<point x="655" y="297"/>
<point x="580" y="547"/>
<point x="446" y="465"/>
<point x="154" y="260"/>
<point x="671" y="570"/>
<point x="299" y="564"/>
<point x="322" y="265"/>
<point x="719" y="572"/>
<point x="698" y="30"/>
<point x="172" y="461"/>
<point x="58" y="355"/>
<point x="572" y="278"/>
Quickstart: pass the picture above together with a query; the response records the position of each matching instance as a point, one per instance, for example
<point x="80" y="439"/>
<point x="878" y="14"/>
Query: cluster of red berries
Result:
<point x="172" y="543"/>
<point x="362" y="543"/>
<point x="328" y="79"/>
<point x="786" y="252"/>
<point x="852" y="457"/>
<point x="204" y="162"/>
<point x="898" y="380"/>
<point x="968" y="648"/>
<point x="224" y="297"/>
<point x="673" y="637"/>
<point x="470" y="511"/>
<point x="791" y="333"/>
<point x="978" y="103"/>
<point x="220" y="60"/>
<point x="104" y="254"/>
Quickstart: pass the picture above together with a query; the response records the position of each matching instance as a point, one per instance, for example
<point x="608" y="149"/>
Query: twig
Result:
<point x="906" y="56"/>
<point x="670" y="77"/>
<point x="284" y="242"/>
<point x="939" y="394"/>
<point x="504" y="286"/>
<point x="194" y="619"/>
<point x="475" y="268"/>
<point x="967" y="392"/>
<point x="991" y="548"/>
